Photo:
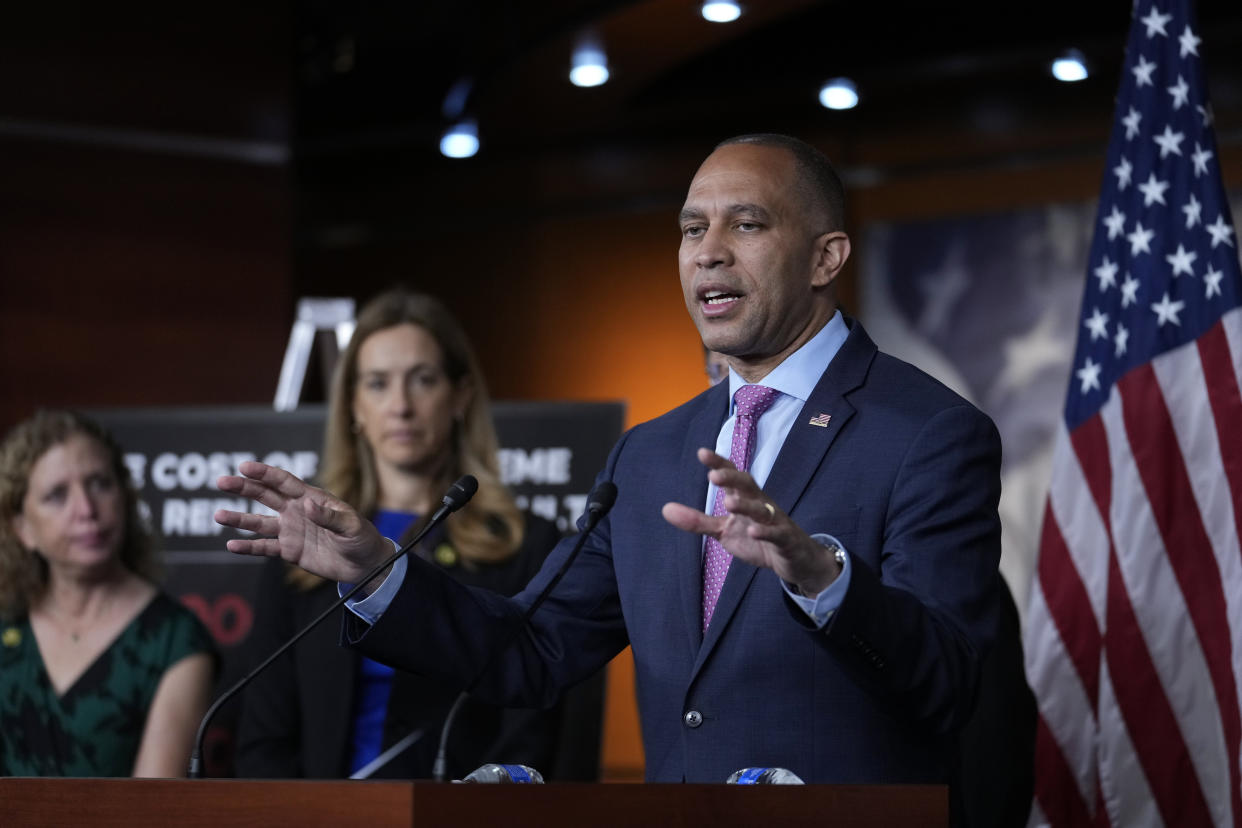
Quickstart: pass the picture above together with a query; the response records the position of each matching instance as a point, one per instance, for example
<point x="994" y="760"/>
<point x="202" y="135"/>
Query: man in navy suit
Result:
<point x="862" y="589"/>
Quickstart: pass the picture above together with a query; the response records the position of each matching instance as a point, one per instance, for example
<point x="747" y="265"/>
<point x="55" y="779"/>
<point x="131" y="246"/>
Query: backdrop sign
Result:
<point x="549" y="457"/>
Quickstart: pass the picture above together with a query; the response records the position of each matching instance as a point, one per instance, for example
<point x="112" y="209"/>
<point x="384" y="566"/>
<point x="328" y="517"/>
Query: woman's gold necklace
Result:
<point x="73" y="632"/>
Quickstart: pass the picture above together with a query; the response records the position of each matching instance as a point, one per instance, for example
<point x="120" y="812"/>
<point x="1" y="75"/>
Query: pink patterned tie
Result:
<point x="750" y="402"/>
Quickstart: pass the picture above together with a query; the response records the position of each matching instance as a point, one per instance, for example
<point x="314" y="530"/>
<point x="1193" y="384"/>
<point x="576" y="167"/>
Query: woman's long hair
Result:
<point x="23" y="572"/>
<point x="489" y="528"/>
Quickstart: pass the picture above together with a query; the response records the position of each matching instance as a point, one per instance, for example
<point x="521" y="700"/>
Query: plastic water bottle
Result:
<point x="764" y="776"/>
<point x="493" y="773"/>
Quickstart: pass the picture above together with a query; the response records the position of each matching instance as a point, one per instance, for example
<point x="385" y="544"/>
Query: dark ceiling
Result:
<point x="331" y="76"/>
<point x="353" y="92"/>
<point x="380" y="71"/>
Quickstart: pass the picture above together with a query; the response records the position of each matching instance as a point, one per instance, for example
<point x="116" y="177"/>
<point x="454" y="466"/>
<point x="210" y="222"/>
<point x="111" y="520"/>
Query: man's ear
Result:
<point x="831" y="252"/>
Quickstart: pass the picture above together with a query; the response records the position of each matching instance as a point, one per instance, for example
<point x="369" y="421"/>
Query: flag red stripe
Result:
<point x="1090" y="443"/>
<point x="1150" y="723"/>
<point x="1055" y="786"/>
<point x="1069" y="606"/>
<point x="1220" y="376"/>
<point x="1160" y="463"/>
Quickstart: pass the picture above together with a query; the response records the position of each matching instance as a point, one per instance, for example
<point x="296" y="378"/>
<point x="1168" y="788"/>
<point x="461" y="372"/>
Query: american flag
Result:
<point x="1134" y="628"/>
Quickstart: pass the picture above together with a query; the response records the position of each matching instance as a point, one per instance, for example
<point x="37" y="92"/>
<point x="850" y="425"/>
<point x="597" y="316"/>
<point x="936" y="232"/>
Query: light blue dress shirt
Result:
<point x="795" y="378"/>
<point x="369" y="609"/>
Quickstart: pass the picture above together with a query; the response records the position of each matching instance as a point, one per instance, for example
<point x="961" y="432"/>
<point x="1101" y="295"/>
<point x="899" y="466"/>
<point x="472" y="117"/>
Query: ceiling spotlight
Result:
<point x="1070" y="67"/>
<point x="590" y="65"/>
<point x="721" y="11"/>
<point x="460" y="141"/>
<point x="839" y="93"/>
<point x="456" y="98"/>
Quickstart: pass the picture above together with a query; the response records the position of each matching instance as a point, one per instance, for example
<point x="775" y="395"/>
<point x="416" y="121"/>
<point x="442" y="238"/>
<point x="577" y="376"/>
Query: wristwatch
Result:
<point x="838" y="555"/>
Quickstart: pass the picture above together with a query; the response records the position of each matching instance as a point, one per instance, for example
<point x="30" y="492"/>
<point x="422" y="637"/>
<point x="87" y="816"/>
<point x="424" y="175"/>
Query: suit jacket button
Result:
<point x="693" y="718"/>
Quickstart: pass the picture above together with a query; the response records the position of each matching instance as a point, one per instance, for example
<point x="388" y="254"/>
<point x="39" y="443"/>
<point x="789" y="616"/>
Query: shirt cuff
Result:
<point x="820" y="608"/>
<point x="370" y="609"/>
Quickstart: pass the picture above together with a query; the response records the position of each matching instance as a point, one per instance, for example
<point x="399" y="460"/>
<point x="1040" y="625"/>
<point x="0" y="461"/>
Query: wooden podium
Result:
<point x="224" y="803"/>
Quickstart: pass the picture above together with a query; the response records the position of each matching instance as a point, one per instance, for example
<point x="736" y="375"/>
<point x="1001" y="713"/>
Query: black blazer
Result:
<point x="296" y="716"/>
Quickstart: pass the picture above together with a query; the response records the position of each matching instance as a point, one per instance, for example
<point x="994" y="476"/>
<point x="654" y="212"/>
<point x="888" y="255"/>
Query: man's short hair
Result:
<point x="818" y="182"/>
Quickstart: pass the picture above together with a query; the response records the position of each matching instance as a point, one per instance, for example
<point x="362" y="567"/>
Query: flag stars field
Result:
<point x="1142" y="72"/>
<point x="1167" y="311"/>
<point x="1211" y="280"/>
<point x="1089" y="376"/>
<point x="1123" y="171"/>
<point x="1193" y="210"/>
<point x="1116" y="223"/>
<point x="1220" y="232"/>
<point x="1180" y="93"/>
<point x="1189" y="43"/>
<point x="1140" y="239"/>
<point x="1200" y="159"/>
<point x="1169" y="141"/>
<point x="1107" y="274"/>
<point x="1182" y="261"/>
<point x="1153" y="190"/>
<point x="1098" y="325"/>
<point x="1155" y="23"/>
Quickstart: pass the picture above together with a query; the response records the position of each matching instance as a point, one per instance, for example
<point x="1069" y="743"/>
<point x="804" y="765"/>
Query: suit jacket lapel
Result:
<point x="692" y="491"/>
<point x="802" y="453"/>
<point x="820" y="421"/>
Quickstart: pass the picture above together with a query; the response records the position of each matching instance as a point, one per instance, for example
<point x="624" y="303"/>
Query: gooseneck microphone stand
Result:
<point x="456" y="497"/>
<point x="598" y="504"/>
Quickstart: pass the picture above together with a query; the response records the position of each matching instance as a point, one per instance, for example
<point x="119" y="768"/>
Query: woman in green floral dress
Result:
<point x="101" y="674"/>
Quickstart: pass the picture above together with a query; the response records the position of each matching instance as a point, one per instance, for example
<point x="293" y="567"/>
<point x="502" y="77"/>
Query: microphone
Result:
<point x="598" y="504"/>
<point x="456" y="497"/>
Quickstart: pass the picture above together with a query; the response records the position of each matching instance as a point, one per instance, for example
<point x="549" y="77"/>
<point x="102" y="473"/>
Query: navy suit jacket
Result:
<point x="905" y="474"/>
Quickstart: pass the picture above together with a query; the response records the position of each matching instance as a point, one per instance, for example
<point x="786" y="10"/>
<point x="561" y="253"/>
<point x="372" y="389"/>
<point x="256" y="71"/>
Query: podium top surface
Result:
<point x="222" y="803"/>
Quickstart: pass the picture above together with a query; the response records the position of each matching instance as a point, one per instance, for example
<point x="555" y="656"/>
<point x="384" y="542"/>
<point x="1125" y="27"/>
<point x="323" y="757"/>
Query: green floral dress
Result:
<point x="95" y="728"/>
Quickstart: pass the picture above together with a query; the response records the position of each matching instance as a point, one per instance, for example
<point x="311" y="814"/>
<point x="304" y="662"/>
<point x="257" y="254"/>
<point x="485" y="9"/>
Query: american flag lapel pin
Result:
<point x="820" y="420"/>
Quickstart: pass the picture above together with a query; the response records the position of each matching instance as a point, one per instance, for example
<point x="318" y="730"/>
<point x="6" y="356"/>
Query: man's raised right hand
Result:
<point x="311" y="528"/>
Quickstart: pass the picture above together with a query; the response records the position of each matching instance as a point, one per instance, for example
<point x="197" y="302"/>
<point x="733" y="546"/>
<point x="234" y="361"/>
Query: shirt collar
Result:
<point x="801" y="370"/>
